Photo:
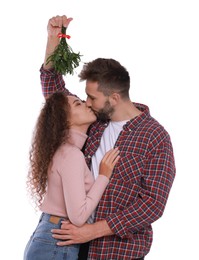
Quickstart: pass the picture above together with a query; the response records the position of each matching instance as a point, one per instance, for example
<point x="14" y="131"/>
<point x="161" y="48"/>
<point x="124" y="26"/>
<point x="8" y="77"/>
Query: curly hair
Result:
<point x="50" y="132"/>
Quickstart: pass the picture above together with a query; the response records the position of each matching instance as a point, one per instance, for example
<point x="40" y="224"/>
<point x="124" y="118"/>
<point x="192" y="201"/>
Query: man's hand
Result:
<point x="73" y="234"/>
<point x="76" y="235"/>
<point x="55" y="24"/>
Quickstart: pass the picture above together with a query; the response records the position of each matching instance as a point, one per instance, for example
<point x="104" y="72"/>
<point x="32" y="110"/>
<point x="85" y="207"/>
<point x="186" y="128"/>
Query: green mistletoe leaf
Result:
<point x="63" y="58"/>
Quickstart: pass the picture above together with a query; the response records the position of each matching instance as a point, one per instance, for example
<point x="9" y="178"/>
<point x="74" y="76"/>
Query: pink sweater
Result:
<point x="72" y="191"/>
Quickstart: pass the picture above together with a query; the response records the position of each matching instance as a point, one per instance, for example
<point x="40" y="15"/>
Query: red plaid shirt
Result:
<point x="139" y="187"/>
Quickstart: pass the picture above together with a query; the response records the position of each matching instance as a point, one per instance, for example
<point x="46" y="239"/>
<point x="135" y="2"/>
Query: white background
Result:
<point x="157" y="41"/>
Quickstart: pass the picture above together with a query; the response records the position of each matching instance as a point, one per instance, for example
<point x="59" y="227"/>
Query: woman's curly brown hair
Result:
<point x="50" y="132"/>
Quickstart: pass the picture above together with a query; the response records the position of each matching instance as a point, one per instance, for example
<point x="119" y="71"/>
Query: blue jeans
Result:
<point x="42" y="246"/>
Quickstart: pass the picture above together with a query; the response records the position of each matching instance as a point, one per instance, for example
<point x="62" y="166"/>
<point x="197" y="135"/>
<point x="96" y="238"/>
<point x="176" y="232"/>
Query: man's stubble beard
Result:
<point x="106" y="112"/>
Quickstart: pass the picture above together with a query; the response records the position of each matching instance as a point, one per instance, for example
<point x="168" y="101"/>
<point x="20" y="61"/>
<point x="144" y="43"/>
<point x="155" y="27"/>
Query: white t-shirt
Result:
<point x="107" y="142"/>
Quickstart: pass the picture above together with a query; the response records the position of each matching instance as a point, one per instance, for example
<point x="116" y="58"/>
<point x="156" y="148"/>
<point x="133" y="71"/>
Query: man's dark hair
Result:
<point x="109" y="74"/>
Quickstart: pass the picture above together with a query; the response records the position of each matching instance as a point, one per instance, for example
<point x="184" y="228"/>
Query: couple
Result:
<point x="128" y="152"/>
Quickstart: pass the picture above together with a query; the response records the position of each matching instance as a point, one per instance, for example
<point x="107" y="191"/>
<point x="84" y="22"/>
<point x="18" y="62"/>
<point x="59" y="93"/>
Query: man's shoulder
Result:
<point x="150" y="123"/>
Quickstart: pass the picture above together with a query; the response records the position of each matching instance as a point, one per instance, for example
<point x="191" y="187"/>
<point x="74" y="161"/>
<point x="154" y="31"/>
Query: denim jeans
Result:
<point x="42" y="246"/>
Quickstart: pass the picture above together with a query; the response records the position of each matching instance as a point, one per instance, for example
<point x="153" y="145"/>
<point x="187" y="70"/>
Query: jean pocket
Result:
<point x="44" y="237"/>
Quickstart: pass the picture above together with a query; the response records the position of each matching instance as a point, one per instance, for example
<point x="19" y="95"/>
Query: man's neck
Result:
<point x="125" y="111"/>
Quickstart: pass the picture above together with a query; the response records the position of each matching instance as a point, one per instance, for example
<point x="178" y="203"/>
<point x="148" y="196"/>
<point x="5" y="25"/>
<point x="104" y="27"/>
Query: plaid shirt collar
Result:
<point x="134" y="122"/>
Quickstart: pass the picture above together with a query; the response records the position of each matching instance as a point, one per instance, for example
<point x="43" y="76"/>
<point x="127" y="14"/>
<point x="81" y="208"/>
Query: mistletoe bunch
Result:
<point x="63" y="58"/>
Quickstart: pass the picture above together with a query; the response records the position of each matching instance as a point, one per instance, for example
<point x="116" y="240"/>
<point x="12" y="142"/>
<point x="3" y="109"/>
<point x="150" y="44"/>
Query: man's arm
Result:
<point x="157" y="179"/>
<point x="50" y="80"/>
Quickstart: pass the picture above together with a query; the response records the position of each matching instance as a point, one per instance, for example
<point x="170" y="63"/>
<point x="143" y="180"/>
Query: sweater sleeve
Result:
<point x="79" y="204"/>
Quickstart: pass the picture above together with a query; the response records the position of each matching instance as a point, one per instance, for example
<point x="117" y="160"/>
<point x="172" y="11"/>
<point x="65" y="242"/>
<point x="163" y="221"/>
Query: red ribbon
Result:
<point x="62" y="35"/>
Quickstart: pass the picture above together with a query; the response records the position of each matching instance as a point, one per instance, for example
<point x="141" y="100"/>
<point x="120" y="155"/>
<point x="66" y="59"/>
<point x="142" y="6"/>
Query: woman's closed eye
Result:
<point x="77" y="102"/>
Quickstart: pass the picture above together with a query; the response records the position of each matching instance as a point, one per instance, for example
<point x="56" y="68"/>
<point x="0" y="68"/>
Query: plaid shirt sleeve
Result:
<point x="157" y="178"/>
<point x="52" y="82"/>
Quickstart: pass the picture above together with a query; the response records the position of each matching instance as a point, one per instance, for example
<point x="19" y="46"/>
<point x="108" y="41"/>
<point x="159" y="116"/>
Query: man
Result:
<point x="138" y="190"/>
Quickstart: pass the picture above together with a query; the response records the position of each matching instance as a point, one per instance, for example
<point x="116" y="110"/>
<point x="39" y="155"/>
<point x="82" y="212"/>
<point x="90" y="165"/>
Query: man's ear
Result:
<point x="114" y="99"/>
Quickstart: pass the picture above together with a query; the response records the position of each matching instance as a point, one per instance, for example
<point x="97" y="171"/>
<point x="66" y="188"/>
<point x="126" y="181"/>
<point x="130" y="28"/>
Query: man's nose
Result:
<point x="88" y="102"/>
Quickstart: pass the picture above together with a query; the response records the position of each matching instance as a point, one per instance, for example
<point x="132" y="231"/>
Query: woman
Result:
<point x="59" y="179"/>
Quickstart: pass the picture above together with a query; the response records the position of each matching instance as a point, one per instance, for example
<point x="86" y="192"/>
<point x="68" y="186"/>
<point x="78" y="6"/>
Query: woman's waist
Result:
<point x="52" y="218"/>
